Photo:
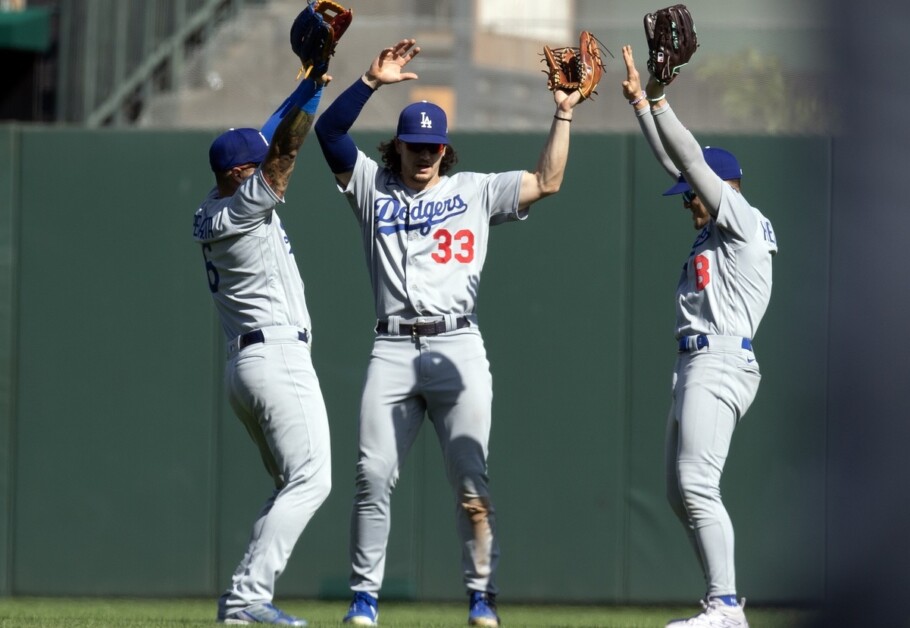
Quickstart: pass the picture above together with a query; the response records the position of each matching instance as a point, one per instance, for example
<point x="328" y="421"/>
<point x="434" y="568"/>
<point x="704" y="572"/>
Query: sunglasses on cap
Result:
<point x="419" y="147"/>
<point x="689" y="196"/>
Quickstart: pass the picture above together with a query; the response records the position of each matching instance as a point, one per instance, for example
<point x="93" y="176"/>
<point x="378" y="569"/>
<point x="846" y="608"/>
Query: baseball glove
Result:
<point x="671" y="41"/>
<point x="315" y="33"/>
<point x="579" y="68"/>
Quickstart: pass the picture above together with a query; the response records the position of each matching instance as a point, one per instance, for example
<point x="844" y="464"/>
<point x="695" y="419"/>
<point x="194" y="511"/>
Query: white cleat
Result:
<point x="716" y="614"/>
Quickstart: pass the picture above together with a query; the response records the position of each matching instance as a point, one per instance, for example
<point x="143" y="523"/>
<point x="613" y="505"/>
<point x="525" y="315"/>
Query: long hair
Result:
<point x="392" y="159"/>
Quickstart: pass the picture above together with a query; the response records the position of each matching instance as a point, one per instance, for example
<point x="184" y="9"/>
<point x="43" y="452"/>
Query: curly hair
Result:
<point x="392" y="159"/>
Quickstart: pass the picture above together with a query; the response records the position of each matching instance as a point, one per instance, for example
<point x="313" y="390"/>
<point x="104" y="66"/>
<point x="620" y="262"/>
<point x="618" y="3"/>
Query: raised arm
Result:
<point x="333" y="125"/>
<point x="288" y="128"/>
<point x="289" y="125"/>
<point x="632" y="90"/>
<point x="551" y="165"/>
<point x="683" y="149"/>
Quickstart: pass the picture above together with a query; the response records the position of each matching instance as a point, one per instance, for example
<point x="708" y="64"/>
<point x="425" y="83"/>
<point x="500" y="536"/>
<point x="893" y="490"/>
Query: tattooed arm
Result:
<point x="287" y="129"/>
<point x="286" y="143"/>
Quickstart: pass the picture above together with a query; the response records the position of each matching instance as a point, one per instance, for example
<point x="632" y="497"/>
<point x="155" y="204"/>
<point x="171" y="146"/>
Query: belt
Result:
<point x="254" y="337"/>
<point x="432" y="328"/>
<point x="695" y="343"/>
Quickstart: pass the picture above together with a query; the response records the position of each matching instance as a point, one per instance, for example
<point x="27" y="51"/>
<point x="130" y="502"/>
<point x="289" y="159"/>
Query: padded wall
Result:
<point x="127" y="473"/>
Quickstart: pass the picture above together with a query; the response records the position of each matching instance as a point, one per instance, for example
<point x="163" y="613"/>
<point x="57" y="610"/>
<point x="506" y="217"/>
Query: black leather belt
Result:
<point x="253" y="337"/>
<point x="433" y="328"/>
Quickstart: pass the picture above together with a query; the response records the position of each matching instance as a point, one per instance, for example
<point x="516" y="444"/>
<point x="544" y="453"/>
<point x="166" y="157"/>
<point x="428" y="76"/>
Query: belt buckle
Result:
<point x="414" y="331"/>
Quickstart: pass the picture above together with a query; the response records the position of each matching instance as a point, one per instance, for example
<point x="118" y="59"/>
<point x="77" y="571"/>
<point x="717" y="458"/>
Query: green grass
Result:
<point x="141" y="613"/>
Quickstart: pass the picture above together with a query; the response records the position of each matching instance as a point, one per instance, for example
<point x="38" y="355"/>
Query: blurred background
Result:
<point x="218" y="63"/>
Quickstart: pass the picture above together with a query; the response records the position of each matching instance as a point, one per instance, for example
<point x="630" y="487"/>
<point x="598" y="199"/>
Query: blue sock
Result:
<point x="729" y="600"/>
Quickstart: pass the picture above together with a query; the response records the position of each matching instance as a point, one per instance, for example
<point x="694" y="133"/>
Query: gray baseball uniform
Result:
<point x="722" y="295"/>
<point x="269" y="376"/>
<point x="425" y="252"/>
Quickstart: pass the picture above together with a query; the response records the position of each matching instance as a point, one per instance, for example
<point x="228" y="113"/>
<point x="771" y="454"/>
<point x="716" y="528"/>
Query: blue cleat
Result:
<point x="364" y="610"/>
<point x="482" y="610"/>
<point x="260" y="614"/>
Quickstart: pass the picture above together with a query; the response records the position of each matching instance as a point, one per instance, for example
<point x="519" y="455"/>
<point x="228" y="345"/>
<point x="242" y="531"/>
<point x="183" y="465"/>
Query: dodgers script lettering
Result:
<point x="393" y="216"/>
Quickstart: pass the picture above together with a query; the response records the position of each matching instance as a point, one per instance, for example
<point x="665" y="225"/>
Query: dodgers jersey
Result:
<point x="725" y="284"/>
<point x="425" y="250"/>
<point x="251" y="269"/>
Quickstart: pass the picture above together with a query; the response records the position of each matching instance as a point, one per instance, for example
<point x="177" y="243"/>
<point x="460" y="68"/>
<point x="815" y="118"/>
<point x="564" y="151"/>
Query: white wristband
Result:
<point x="658" y="99"/>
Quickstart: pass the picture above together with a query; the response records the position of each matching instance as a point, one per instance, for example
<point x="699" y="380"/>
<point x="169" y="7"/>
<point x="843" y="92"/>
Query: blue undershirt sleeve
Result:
<point x="306" y="98"/>
<point x="333" y="125"/>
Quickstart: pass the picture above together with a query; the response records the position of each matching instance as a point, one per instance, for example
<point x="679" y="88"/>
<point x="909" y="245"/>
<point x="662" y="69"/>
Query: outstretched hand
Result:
<point x="631" y="87"/>
<point x="388" y="66"/>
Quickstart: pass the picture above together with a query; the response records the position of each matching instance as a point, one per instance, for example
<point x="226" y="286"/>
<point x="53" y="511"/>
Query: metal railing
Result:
<point x="114" y="55"/>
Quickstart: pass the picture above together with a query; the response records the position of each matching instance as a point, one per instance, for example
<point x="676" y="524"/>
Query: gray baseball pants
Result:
<point x="447" y="378"/>
<point x="712" y="389"/>
<point x="274" y="391"/>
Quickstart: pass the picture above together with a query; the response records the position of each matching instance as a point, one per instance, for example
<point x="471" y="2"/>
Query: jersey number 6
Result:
<point x="463" y="241"/>
<point x="210" y="270"/>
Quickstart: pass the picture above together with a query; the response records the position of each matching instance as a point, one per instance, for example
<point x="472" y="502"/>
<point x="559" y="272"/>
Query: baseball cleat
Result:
<point x="716" y="614"/>
<point x="261" y="614"/>
<point x="364" y="610"/>
<point x="482" y="610"/>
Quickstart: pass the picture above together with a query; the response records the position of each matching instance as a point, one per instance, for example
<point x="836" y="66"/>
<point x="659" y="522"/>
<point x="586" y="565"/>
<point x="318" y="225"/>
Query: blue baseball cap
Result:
<point x="237" y="146"/>
<point x="423" y="122"/>
<point x="721" y="161"/>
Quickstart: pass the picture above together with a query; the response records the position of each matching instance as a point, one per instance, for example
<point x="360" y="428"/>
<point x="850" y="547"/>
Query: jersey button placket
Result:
<point x="413" y="264"/>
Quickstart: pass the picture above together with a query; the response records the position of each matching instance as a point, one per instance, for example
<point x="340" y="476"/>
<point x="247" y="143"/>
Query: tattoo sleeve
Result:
<point x="286" y="143"/>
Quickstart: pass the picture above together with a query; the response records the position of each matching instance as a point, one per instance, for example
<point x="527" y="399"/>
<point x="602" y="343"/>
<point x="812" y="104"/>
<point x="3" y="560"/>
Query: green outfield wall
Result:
<point x="124" y="471"/>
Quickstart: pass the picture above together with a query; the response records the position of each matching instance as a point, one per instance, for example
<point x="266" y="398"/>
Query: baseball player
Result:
<point x="424" y="233"/>
<point x="723" y="293"/>
<point x="269" y="376"/>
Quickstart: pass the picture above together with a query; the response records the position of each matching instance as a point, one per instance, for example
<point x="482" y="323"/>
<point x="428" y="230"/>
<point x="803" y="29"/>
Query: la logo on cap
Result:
<point x="423" y="122"/>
